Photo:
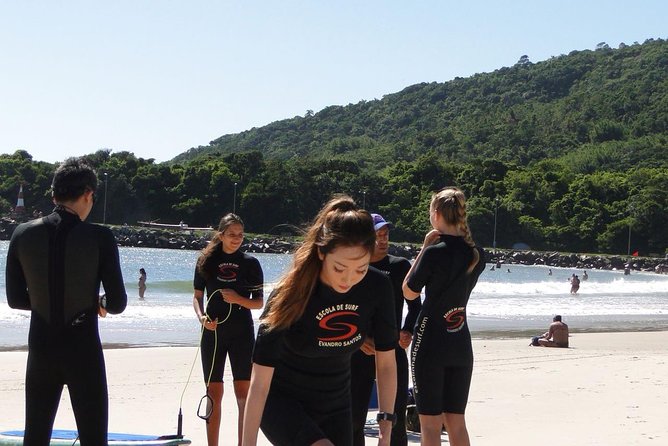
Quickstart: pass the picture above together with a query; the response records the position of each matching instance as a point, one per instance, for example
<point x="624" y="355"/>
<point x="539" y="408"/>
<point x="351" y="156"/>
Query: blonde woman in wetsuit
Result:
<point x="447" y="267"/>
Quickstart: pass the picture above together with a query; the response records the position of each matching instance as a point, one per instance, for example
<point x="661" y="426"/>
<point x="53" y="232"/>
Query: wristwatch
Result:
<point x="384" y="416"/>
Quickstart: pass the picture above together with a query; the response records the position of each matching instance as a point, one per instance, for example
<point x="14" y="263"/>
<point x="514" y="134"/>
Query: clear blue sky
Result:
<point x="158" y="77"/>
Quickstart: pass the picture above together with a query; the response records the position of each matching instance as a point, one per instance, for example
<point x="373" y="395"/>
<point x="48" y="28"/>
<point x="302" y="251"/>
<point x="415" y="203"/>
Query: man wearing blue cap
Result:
<point x="363" y="365"/>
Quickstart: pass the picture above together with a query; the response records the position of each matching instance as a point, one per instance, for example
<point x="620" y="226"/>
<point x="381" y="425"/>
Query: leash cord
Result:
<point x="199" y="346"/>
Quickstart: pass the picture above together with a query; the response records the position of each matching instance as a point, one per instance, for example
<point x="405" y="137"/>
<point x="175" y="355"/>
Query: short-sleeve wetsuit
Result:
<point x="363" y="366"/>
<point x="309" y="397"/>
<point x="235" y="334"/>
<point x="441" y="355"/>
<point x="54" y="268"/>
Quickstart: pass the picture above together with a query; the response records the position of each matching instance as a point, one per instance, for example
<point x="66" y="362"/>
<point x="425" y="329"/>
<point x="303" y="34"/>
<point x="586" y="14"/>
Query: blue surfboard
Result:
<point x="62" y="437"/>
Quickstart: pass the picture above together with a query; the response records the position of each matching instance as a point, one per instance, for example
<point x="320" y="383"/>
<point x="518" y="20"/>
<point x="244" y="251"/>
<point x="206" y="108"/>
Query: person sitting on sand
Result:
<point x="556" y="336"/>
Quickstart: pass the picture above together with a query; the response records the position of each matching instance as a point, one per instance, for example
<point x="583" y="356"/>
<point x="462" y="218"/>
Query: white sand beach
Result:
<point x="607" y="389"/>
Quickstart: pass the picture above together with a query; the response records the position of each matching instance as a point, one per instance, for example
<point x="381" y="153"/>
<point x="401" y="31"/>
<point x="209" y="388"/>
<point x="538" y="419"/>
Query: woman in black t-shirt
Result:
<point x="317" y="316"/>
<point x="233" y="282"/>
<point x="448" y="267"/>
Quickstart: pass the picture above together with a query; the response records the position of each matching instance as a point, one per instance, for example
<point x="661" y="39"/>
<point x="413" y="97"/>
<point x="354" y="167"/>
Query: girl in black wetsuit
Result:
<point x="317" y="316"/>
<point x="442" y="358"/>
<point x="233" y="282"/>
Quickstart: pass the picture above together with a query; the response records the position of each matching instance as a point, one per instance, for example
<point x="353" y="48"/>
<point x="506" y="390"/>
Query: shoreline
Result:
<point x="606" y="389"/>
<point x="482" y="335"/>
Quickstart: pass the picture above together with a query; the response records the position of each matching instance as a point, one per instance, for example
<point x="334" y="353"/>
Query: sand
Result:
<point x="607" y="389"/>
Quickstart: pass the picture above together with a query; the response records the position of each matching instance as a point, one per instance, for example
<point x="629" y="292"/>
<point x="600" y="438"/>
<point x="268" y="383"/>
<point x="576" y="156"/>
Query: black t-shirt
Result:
<point x="396" y="269"/>
<point x="237" y="271"/>
<point x="442" y="271"/>
<point x="311" y="358"/>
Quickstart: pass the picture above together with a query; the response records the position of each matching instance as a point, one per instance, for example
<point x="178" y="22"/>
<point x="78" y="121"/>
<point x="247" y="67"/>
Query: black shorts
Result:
<point x="237" y="344"/>
<point x="288" y="422"/>
<point x="442" y="389"/>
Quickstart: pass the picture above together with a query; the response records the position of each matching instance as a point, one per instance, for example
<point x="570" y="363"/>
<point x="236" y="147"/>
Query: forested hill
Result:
<point x="569" y="154"/>
<point x="610" y="103"/>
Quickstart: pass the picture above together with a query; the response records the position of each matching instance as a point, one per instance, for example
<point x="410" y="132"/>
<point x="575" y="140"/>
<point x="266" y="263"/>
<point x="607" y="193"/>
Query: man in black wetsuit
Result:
<point x="363" y="364"/>
<point x="54" y="268"/>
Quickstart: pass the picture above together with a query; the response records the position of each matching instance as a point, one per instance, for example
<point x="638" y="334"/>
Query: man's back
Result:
<point x="54" y="268"/>
<point x="559" y="333"/>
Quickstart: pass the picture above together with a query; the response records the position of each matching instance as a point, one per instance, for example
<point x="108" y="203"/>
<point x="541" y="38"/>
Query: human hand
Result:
<point x="405" y="338"/>
<point x="230" y="296"/>
<point x="384" y="438"/>
<point x="368" y="347"/>
<point x="209" y="324"/>
<point x="432" y="237"/>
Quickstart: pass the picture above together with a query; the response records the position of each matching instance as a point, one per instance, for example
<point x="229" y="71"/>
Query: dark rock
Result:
<point x="163" y="238"/>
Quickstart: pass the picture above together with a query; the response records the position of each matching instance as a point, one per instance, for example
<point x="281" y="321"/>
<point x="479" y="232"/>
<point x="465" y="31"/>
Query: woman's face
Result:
<point x="344" y="267"/>
<point x="232" y="238"/>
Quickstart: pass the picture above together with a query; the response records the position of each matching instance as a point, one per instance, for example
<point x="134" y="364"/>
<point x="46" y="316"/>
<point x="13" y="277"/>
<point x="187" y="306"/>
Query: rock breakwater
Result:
<point x="134" y="236"/>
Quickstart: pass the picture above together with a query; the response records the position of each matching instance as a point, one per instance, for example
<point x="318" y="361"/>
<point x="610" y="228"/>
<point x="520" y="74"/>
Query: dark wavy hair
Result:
<point x="72" y="179"/>
<point x="225" y="222"/>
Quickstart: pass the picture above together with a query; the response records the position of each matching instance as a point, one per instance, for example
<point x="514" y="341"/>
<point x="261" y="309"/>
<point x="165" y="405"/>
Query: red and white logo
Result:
<point x="227" y="272"/>
<point x="455" y="319"/>
<point x="345" y="330"/>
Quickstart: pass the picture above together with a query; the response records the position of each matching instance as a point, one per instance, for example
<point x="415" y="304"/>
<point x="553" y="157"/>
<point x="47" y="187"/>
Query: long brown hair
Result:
<point x="225" y="222"/>
<point x="450" y="203"/>
<point x="339" y="223"/>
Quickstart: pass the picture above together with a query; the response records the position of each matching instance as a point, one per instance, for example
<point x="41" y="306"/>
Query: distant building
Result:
<point x="20" y="208"/>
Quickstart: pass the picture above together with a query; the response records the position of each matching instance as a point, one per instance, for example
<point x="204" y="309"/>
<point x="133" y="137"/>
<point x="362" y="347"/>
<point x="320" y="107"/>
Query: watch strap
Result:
<point x="384" y="416"/>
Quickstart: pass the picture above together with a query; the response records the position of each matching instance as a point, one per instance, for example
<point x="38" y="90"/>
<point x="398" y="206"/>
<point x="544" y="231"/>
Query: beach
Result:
<point x="606" y="389"/>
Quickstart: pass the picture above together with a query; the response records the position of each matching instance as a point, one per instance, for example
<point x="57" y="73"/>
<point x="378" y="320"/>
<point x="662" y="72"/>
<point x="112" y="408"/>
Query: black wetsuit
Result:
<point x="441" y="355"/>
<point x="234" y="335"/>
<point x="363" y="366"/>
<point x="54" y="268"/>
<point x="309" y="397"/>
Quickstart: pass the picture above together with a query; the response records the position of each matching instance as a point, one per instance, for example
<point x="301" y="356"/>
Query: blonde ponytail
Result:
<point x="450" y="203"/>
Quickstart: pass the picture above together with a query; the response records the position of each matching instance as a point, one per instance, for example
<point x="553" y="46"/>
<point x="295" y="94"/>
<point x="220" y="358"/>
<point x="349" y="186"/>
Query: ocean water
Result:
<point x="515" y="303"/>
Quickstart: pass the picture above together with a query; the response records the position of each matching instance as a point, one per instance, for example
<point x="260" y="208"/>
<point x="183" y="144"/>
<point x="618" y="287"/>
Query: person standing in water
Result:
<point x="142" y="282"/>
<point x="575" y="284"/>
<point x="448" y="267"/>
<point x="363" y="364"/>
<point x="55" y="266"/>
<point x="234" y="284"/>
<point x="319" y="314"/>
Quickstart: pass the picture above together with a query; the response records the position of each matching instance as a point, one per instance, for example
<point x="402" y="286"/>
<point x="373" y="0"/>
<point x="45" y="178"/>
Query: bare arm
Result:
<point x="386" y="375"/>
<point x="198" y="295"/>
<point x="232" y="297"/>
<point x="257" y="397"/>
<point x="550" y="332"/>
<point x="429" y="239"/>
<point x="408" y="293"/>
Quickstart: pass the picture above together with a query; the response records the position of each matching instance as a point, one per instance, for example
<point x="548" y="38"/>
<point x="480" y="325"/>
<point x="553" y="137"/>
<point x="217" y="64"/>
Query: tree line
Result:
<point x="549" y="205"/>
